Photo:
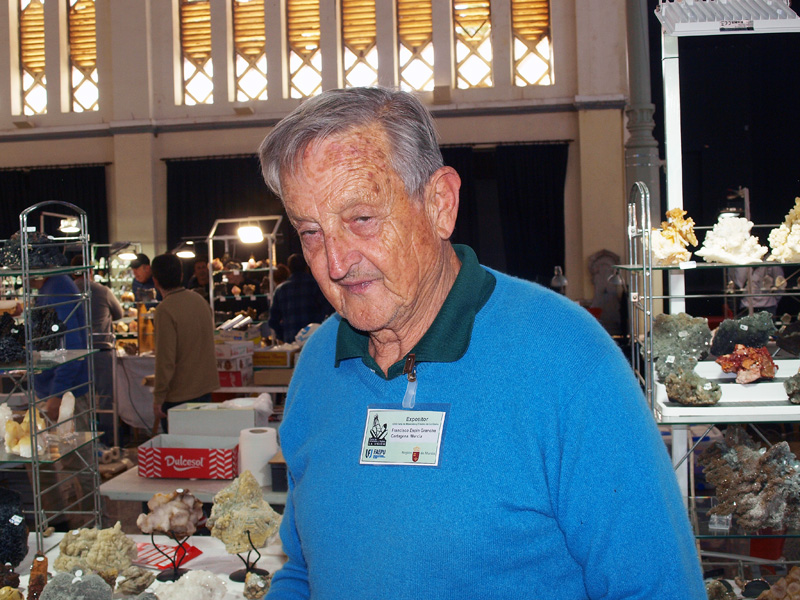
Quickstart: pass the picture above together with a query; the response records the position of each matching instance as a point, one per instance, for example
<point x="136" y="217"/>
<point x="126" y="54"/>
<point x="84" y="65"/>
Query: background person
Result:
<point x="520" y="481"/>
<point x="143" y="280"/>
<point x="198" y="282"/>
<point x="297" y="302"/>
<point x="186" y="368"/>
<point x="105" y="310"/>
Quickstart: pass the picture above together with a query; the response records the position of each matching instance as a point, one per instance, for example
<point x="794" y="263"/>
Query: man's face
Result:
<point x="142" y="273"/>
<point x="373" y="250"/>
<point x="201" y="272"/>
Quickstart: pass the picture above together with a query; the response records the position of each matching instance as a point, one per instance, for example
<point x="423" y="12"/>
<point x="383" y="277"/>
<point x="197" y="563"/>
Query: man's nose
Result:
<point x="340" y="256"/>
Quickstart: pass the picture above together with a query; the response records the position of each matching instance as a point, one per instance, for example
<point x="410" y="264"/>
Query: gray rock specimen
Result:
<point x="760" y="487"/>
<point x="752" y="331"/>
<point x="71" y="586"/>
<point x="687" y="387"/>
<point x="679" y="341"/>
<point x="792" y="387"/>
<point x="146" y="596"/>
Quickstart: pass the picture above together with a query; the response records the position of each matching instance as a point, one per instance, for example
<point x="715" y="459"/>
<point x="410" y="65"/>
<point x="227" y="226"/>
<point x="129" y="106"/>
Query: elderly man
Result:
<point x="452" y="432"/>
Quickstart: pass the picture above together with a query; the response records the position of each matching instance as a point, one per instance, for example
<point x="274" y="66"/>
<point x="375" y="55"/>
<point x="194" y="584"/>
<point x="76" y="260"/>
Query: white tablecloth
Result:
<point x="214" y="558"/>
<point x="134" y="399"/>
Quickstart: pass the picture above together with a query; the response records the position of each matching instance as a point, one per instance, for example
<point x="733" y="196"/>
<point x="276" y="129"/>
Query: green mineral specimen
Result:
<point x="679" y="341"/>
<point x="752" y="331"/>
<point x="792" y="387"/>
<point x="691" y="389"/>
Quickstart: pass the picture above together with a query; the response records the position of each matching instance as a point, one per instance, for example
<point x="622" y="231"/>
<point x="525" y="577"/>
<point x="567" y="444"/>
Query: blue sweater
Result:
<point x="553" y="480"/>
<point x="54" y="382"/>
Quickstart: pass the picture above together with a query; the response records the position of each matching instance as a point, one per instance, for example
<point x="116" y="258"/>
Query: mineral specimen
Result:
<point x="256" y="586"/>
<point x="8" y="577"/>
<point x="679" y="341"/>
<point x="146" y="596"/>
<point x="752" y="330"/>
<point x="70" y="586"/>
<point x="18" y="436"/>
<point x="691" y="389"/>
<point x="106" y="552"/>
<point x="42" y="252"/>
<point x="759" y="487"/>
<point x="38" y="577"/>
<point x="177" y="512"/>
<point x="134" y="580"/>
<point x="13" y="529"/>
<point x="240" y="509"/>
<point x="11" y="351"/>
<point x="197" y="585"/>
<point x="785" y="239"/>
<point x="792" y="387"/>
<point x="9" y="593"/>
<point x="669" y="243"/>
<point x="46" y="323"/>
<point x="749" y="364"/>
<point x="717" y="590"/>
<point x="730" y="242"/>
<point x="786" y="588"/>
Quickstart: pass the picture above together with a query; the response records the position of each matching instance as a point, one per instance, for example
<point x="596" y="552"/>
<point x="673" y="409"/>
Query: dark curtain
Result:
<point x="467" y="225"/>
<point x="530" y="184"/>
<point x="201" y="191"/>
<point x="83" y="186"/>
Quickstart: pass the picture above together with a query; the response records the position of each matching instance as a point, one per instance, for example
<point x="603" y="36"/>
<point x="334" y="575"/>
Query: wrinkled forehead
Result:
<point x="362" y="144"/>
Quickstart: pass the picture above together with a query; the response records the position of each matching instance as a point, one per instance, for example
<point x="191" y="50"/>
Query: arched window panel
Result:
<point x="31" y="53"/>
<point x="305" y="55"/>
<point x="359" y="37"/>
<point x="415" y="44"/>
<point x="530" y="24"/>
<point x="195" y="19"/>
<point x="472" y="23"/>
<point x="82" y="28"/>
<point x="250" y="55"/>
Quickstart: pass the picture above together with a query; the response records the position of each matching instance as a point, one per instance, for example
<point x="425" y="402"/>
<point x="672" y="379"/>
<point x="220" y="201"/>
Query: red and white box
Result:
<point x="241" y="378"/>
<point x="189" y="457"/>
<point x="240" y="363"/>
<point x="233" y="349"/>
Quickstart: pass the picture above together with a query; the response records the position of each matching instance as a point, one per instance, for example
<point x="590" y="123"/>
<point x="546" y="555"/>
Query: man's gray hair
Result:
<point x="405" y="120"/>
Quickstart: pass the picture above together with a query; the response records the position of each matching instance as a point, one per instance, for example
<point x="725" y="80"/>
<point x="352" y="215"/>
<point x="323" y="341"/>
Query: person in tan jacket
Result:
<point x="186" y="368"/>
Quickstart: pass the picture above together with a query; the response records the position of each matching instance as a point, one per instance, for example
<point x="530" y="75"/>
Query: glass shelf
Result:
<point x="692" y="265"/>
<point x="56" y="449"/>
<point x="699" y="508"/>
<point x="15" y="272"/>
<point x="45" y="363"/>
<point x="241" y="297"/>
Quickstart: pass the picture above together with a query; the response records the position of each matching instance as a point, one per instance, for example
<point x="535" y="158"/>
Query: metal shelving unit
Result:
<point x="59" y="460"/>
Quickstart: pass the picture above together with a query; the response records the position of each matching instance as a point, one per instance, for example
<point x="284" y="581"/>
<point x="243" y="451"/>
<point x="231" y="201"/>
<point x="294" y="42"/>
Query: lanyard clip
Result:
<point x="410" y="367"/>
<point x="410" y="370"/>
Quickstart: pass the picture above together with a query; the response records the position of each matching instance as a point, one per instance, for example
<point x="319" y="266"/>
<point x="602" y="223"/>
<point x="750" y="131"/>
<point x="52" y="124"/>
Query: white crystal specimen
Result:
<point x="730" y="242"/>
<point x="66" y="426"/>
<point x="785" y="239"/>
<point x="197" y="585"/>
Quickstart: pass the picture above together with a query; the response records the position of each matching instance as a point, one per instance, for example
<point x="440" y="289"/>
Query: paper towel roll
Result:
<point x="256" y="447"/>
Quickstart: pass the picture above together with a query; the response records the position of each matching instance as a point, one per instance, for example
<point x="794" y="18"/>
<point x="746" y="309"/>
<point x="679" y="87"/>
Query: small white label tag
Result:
<point x="16" y="520"/>
<point x="743" y="327"/>
<point x="683" y="334"/>
<point x="669" y="360"/>
<point x="689" y="264"/>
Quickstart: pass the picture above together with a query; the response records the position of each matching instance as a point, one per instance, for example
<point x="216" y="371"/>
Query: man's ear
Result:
<point x="443" y="200"/>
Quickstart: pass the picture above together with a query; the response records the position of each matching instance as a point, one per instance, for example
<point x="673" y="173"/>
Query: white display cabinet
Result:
<point x="63" y="455"/>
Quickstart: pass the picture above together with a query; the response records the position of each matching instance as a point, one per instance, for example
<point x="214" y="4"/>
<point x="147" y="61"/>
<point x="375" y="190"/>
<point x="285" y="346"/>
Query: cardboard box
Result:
<point x="251" y="332"/>
<point x="236" y="378"/>
<point x="240" y="363"/>
<point x="278" y="466"/>
<point x="272" y="376"/>
<point x="211" y="418"/>
<point x="265" y="357"/>
<point x="189" y="457"/>
<point x="233" y="349"/>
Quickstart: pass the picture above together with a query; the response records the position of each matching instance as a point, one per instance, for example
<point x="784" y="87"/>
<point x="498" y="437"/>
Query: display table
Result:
<point x="135" y="396"/>
<point x="129" y="486"/>
<point x="214" y="558"/>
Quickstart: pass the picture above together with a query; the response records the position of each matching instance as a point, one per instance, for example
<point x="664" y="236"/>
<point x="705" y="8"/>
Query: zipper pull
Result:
<point x="410" y="370"/>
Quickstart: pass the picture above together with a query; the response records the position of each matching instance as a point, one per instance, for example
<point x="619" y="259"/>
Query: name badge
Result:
<point x="402" y="437"/>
